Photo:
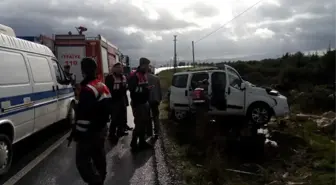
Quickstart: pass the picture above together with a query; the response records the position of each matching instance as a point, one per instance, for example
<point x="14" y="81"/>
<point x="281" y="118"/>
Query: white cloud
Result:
<point x="264" y="33"/>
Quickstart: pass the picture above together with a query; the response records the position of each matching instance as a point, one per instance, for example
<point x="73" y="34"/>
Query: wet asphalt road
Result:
<point x="124" y="168"/>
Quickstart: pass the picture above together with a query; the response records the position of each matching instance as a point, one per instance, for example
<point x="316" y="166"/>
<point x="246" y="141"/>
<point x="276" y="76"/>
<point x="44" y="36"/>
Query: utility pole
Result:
<point x="193" y="53"/>
<point x="175" y="56"/>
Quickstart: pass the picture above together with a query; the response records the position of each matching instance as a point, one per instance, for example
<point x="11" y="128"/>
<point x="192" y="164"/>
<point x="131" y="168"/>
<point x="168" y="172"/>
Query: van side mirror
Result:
<point x="66" y="82"/>
<point x="243" y="86"/>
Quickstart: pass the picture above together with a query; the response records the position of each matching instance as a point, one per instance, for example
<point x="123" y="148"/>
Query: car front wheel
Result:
<point x="6" y="154"/>
<point x="71" y="118"/>
<point x="259" y="113"/>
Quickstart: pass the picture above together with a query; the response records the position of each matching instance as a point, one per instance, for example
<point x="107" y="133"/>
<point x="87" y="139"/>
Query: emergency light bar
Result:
<point x="6" y="30"/>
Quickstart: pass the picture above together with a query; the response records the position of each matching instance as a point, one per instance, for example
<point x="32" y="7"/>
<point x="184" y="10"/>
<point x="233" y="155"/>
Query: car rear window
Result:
<point x="197" y="77"/>
<point x="180" y="81"/>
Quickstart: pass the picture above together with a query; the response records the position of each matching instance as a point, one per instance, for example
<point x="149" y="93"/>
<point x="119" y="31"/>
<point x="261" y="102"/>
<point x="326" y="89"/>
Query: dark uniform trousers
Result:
<point x="118" y="117"/>
<point x="154" y="108"/>
<point x="141" y="113"/>
<point x="91" y="157"/>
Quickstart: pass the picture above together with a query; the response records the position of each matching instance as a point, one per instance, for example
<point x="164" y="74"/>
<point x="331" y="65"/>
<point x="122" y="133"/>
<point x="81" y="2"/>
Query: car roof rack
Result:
<point x="203" y="69"/>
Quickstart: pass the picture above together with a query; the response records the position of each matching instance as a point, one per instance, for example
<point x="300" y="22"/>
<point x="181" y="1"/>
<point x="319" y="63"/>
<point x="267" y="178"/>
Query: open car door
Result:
<point x="218" y="101"/>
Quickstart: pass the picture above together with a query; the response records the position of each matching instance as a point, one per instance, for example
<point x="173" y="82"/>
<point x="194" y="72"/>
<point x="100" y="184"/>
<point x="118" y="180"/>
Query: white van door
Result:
<point x="218" y="93"/>
<point x="235" y="95"/>
<point x="179" y="96"/>
<point x="64" y="92"/>
<point x="45" y="98"/>
<point x="16" y="93"/>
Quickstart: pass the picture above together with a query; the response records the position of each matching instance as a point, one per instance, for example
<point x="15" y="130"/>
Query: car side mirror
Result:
<point x="243" y="86"/>
<point x="66" y="82"/>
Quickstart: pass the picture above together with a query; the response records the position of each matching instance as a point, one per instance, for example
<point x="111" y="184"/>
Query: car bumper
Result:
<point x="281" y="109"/>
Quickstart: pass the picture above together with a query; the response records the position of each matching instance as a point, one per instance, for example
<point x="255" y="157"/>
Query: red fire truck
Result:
<point x="70" y="49"/>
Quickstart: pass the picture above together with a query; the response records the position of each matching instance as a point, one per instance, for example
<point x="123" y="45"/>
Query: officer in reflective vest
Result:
<point x="91" y="125"/>
<point x="139" y="90"/>
<point x="117" y="84"/>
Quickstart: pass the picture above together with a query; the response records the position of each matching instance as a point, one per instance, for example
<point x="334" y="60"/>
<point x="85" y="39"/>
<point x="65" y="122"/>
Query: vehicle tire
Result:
<point x="259" y="113"/>
<point x="71" y="118"/>
<point x="180" y="115"/>
<point x="177" y="116"/>
<point x="6" y="154"/>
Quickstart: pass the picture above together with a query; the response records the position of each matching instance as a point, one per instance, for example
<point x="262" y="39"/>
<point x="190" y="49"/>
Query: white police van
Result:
<point x="34" y="92"/>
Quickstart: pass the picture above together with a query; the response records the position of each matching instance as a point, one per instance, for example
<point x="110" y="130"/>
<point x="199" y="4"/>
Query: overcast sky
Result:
<point x="146" y="27"/>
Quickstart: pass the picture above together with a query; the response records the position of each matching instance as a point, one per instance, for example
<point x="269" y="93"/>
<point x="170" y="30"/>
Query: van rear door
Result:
<point x="179" y="93"/>
<point x="16" y="93"/>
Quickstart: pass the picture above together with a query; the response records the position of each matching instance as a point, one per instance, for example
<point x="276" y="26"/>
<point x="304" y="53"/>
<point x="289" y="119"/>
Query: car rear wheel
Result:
<point x="177" y="115"/>
<point x="6" y="154"/>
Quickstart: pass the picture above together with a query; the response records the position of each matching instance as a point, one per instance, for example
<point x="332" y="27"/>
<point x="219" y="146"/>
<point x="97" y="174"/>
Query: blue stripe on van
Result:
<point x="18" y="100"/>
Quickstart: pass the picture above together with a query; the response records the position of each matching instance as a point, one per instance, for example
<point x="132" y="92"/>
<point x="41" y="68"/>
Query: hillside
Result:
<point x="308" y="80"/>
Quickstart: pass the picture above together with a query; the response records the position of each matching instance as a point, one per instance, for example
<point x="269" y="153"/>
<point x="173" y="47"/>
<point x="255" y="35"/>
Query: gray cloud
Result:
<point x="297" y="25"/>
<point x="119" y="14"/>
<point x="202" y="10"/>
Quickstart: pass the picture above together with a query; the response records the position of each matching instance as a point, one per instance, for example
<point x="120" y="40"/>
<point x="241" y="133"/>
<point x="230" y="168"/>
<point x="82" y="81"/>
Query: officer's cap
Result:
<point x="116" y="64"/>
<point x="88" y="65"/>
<point x="66" y="66"/>
<point x="143" y="61"/>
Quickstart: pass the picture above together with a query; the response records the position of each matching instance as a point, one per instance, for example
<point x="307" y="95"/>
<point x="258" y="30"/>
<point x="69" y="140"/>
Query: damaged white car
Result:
<point x="228" y="94"/>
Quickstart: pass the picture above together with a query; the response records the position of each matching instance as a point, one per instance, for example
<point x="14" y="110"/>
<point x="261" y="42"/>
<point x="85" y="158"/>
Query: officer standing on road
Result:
<point x="154" y="102"/>
<point x="139" y="89"/>
<point x="91" y="125"/>
<point x="117" y="84"/>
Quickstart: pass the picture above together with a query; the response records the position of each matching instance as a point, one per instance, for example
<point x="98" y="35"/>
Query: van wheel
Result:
<point x="71" y="118"/>
<point x="6" y="154"/>
<point x="180" y="115"/>
<point x="259" y="113"/>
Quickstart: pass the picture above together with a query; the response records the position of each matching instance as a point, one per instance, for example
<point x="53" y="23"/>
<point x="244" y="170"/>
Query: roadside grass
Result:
<point x="201" y="154"/>
<point x="304" y="155"/>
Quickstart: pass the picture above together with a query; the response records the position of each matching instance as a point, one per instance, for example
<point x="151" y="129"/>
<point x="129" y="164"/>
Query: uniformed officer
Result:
<point x="139" y="90"/>
<point x="70" y="76"/>
<point x="117" y="84"/>
<point x="154" y="102"/>
<point x="91" y="125"/>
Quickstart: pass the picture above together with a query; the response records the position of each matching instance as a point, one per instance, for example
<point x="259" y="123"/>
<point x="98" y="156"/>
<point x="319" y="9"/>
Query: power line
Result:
<point x="189" y="47"/>
<point x="207" y="35"/>
<point x="175" y="56"/>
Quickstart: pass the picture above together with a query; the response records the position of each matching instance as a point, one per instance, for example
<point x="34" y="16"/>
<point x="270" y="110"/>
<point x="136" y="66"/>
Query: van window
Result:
<point x="197" y="77"/>
<point x="180" y="81"/>
<point x="58" y="72"/>
<point x="14" y="69"/>
<point x="234" y="79"/>
<point x="40" y="69"/>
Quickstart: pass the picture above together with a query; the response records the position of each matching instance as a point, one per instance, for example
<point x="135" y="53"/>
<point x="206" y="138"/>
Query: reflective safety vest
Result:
<point x="142" y="82"/>
<point x="99" y="109"/>
<point x="119" y="83"/>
